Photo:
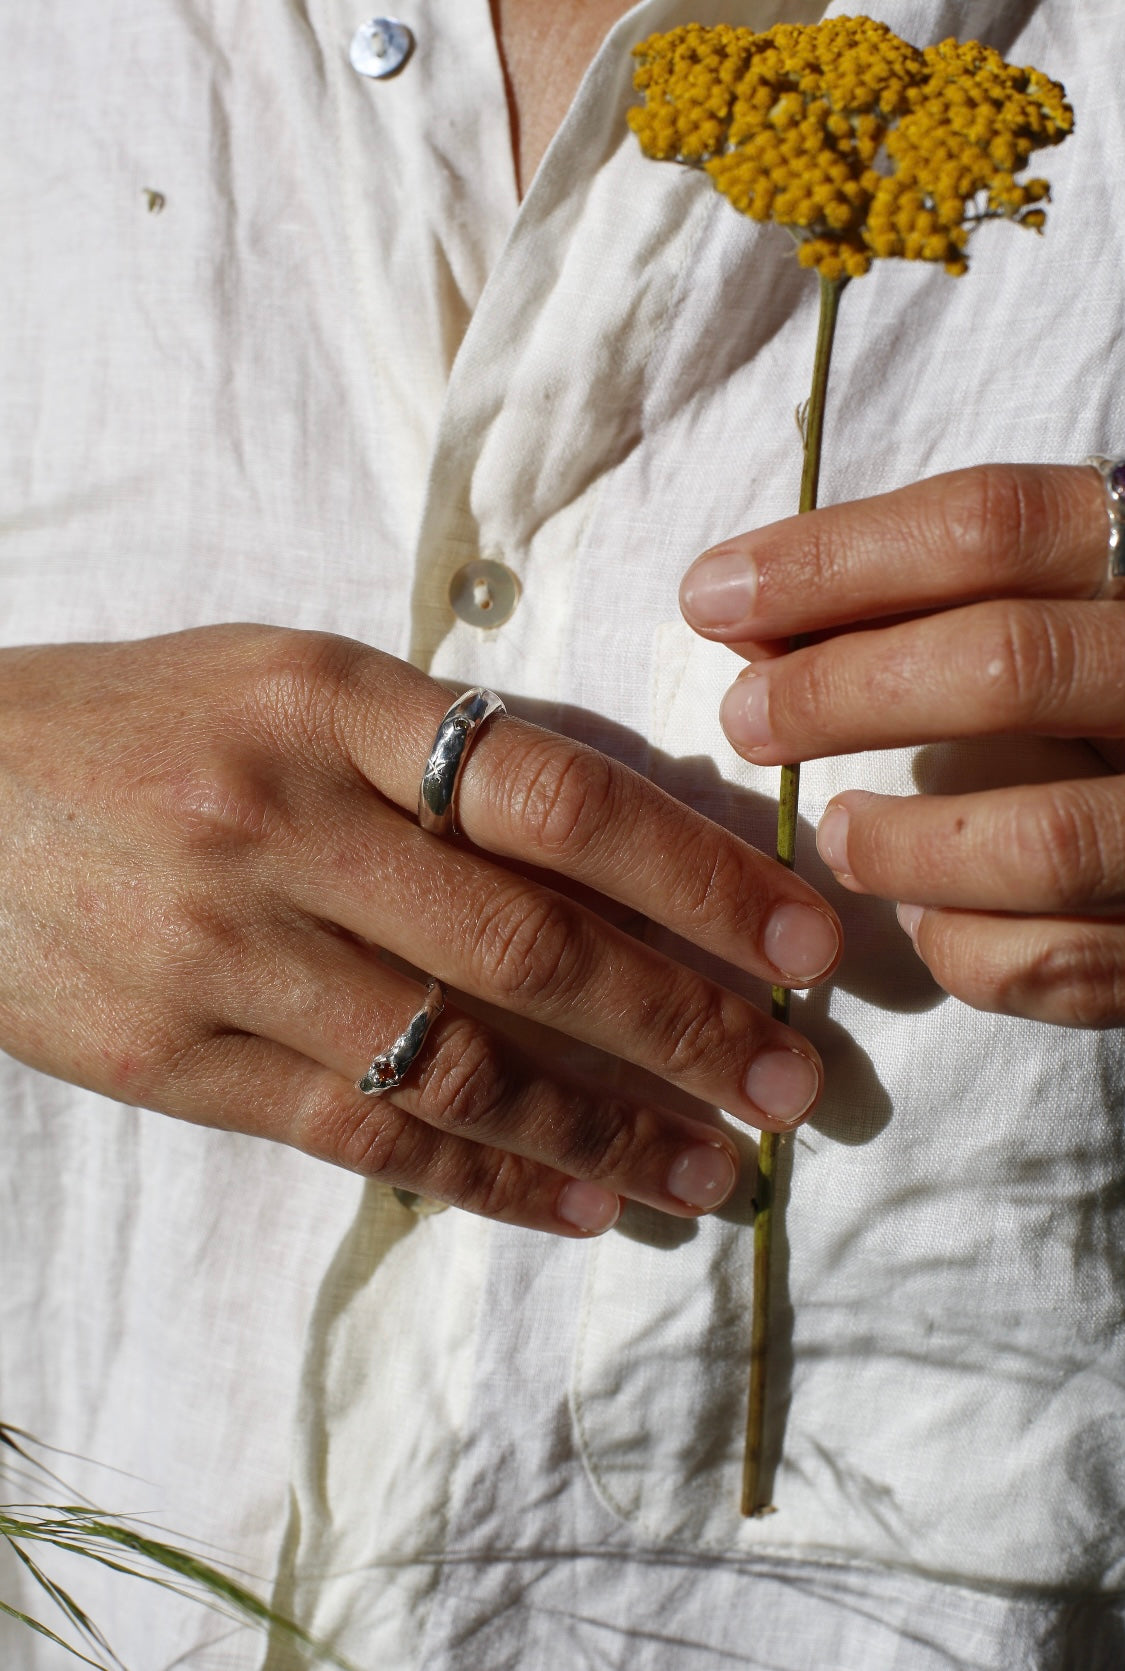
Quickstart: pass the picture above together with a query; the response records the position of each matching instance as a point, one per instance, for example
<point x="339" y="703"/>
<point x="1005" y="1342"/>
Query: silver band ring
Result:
<point x="1112" y="472"/>
<point x="392" y="1065"/>
<point x="438" y="789"/>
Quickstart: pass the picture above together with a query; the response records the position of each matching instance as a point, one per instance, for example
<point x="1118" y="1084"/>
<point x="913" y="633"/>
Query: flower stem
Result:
<point x="767" y="1206"/>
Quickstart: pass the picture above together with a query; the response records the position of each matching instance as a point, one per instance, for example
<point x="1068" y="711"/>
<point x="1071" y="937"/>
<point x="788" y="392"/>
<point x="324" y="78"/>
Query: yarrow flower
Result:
<point x="860" y="143"/>
<point x="864" y="147"/>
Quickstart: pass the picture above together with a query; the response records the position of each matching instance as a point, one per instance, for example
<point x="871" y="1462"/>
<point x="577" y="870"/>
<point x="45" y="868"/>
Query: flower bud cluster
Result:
<point x="861" y="144"/>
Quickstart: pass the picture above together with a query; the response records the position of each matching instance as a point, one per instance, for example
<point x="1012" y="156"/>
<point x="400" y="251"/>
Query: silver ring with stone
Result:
<point x="437" y="792"/>
<point x="1112" y="472"/>
<point x="391" y="1066"/>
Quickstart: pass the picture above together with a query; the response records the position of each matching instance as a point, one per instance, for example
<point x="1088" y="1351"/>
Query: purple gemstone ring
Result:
<point x="1112" y="472"/>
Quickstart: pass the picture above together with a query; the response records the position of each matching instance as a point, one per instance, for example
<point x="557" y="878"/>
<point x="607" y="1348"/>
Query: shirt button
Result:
<point x="484" y="593"/>
<point x="380" y="47"/>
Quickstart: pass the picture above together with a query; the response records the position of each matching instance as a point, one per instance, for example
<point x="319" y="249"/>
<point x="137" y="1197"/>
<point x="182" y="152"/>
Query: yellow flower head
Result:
<point x="858" y="142"/>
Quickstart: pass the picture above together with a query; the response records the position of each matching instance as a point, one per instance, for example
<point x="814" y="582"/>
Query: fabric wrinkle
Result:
<point x="341" y="362"/>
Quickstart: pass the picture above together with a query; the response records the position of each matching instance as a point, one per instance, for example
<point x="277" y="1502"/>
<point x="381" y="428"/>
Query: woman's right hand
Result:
<point x="205" y="840"/>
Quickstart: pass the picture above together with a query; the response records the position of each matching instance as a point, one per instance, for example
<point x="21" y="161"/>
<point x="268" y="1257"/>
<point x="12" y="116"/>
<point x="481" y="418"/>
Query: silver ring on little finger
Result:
<point x="1112" y="472"/>
<point x="391" y="1066"/>
<point x="455" y="736"/>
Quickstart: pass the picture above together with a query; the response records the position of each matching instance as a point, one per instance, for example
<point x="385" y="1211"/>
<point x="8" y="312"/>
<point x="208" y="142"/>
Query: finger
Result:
<point x="600" y="824"/>
<point x="1052" y="848"/>
<point x="527" y="949"/>
<point x="1048" y="669"/>
<point x="1053" y="969"/>
<point x="993" y="531"/>
<point x="336" y="1004"/>
<point x="1057" y="847"/>
<point x="242" y="1083"/>
<point x="535" y="797"/>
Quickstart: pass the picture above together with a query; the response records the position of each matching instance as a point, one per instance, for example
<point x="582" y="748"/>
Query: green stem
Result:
<point x="769" y="1145"/>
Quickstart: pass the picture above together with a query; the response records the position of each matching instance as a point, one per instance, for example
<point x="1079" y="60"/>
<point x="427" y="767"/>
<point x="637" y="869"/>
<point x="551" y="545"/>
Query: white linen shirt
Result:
<point x="341" y="361"/>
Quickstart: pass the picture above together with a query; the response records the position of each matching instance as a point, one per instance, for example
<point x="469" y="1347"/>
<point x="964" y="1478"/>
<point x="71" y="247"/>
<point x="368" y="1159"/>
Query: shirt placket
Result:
<point x="531" y="419"/>
<point x="428" y="192"/>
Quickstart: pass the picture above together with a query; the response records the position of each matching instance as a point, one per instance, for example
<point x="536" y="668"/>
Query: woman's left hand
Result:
<point x="964" y="606"/>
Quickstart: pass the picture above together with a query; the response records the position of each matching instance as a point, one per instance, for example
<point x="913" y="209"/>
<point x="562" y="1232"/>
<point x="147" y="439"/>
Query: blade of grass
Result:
<point x="66" y="1604"/>
<point x="81" y="1532"/>
<point x="37" y="1625"/>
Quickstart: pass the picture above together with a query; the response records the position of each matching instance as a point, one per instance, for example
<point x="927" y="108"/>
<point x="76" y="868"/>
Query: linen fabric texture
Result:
<point x="343" y="360"/>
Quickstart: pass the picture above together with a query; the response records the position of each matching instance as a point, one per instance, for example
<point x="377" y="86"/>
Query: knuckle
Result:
<point x="1059" y="849"/>
<point x="529" y="949"/>
<point x="815" y="690"/>
<point x="713" y="886"/>
<point x="374" y="1141"/>
<point x="195" y="945"/>
<point x="329" y="1120"/>
<point x="221" y="804"/>
<point x="605" y="1142"/>
<point x="568" y="798"/>
<point x="146" y="1057"/>
<point x="496" y="1186"/>
<point x="990" y="516"/>
<point x="693" y="1031"/>
<point x="1072" y="976"/>
<point x="816" y="555"/>
<point x="1076" y="981"/>
<point x="1028" y="661"/>
<point x="300" y="683"/>
<point x="467" y="1083"/>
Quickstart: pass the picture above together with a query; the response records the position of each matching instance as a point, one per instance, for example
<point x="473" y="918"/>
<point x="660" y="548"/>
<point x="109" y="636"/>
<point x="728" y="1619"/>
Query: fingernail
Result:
<point x="832" y="838"/>
<point x="800" y="941"/>
<point x="702" y="1176"/>
<point x="783" y="1085"/>
<point x="909" y="917"/>
<point x="744" y="714"/>
<point x="588" y="1206"/>
<point x="719" y="589"/>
